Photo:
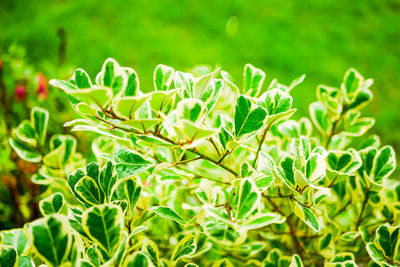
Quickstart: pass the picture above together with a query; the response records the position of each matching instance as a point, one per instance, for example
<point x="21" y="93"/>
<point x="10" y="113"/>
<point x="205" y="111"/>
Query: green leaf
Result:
<point x="161" y="100"/>
<point x="82" y="79"/>
<point x="204" y="88"/>
<point x="388" y="240"/>
<point x="384" y="164"/>
<point x="151" y="249"/>
<point x="223" y="263"/>
<point x="264" y="219"/>
<point x="96" y="97"/>
<point x="15" y="238"/>
<point x="253" y="80"/>
<point x="53" y="204"/>
<point x="352" y="83"/>
<point x="376" y="255"/>
<point x="343" y="162"/>
<point x="112" y="76"/>
<point x="163" y="76"/>
<point x="326" y="246"/>
<point x="129" y="190"/>
<point x="186" y="246"/>
<point x="64" y="85"/>
<point x="132" y="86"/>
<point x="25" y="152"/>
<point x="307" y="216"/>
<point x="275" y="102"/>
<point x="315" y="168"/>
<point x="190" y="109"/>
<point x="104" y="224"/>
<point x="39" y="119"/>
<point x="189" y="132"/>
<point x="247" y="118"/>
<point x="107" y="179"/>
<point x="184" y="82"/>
<point x="285" y="171"/>
<point x="330" y="97"/>
<point x="88" y="190"/>
<point x="138" y="259"/>
<point x="248" y="198"/>
<point x="168" y="213"/>
<point x="320" y="117"/>
<point x="25" y="261"/>
<point x="8" y="256"/>
<point x="51" y="238"/>
<point x="63" y="148"/>
<point x="25" y="133"/>
<point x="126" y="107"/>
<point x="129" y="163"/>
<point x="296" y="261"/>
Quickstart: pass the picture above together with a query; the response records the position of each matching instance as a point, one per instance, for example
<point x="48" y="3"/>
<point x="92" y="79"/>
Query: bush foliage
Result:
<point x="200" y="172"/>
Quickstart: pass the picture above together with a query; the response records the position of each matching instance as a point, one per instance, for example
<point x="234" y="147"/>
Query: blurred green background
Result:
<point x="284" y="38"/>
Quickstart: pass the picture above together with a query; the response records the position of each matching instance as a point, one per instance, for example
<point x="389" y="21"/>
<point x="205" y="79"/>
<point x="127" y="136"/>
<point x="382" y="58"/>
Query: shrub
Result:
<point x="201" y="172"/>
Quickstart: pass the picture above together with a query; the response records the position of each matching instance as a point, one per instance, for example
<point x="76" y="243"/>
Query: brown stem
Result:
<point x="363" y="207"/>
<point x="260" y="144"/>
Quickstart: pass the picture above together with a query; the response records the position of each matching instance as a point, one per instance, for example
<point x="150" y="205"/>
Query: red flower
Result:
<point x="42" y="86"/>
<point x="20" y="92"/>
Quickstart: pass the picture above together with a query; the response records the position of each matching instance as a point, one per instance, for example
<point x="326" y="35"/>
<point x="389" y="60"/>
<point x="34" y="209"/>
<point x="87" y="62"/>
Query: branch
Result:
<point x="363" y="207"/>
<point x="260" y="144"/>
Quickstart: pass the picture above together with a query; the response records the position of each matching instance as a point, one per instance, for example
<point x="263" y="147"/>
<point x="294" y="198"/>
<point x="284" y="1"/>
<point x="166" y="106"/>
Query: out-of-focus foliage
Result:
<point x="23" y="86"/>
<point x="183" y="178"/>
<point x="284" y="38"/>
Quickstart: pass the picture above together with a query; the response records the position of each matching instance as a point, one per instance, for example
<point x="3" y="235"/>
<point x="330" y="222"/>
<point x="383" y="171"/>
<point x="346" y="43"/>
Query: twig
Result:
<point x="261" y="143"/>
<point x="363" y="207"/>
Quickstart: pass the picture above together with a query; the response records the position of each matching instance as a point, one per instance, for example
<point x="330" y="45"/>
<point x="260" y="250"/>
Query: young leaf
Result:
<point x="82" y="79"/>
<point x="253" y="80"/>
<point x="129" y="190"/>
<point x="39" y="119"/>
<point x="132" y="85"/>
<point x="352" y="83"/>
<point x="53" y="204"/>
<point x="163" y="76"/>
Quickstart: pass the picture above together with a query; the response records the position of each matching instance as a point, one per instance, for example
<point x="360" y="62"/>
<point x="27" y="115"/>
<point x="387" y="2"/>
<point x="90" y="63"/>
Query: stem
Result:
<point x="331" y="134"/>
<point x="334" y="125"/>
<point x="363" y="207"/>
<point x="341" y="210"/>
<point x="215" y="146"/>
<point x="194" y="151"/>
<point x="292" y="229"/>
<point x="4" y="101"/>
<point x="63" y="46"/>
<point x="260" y="145"/>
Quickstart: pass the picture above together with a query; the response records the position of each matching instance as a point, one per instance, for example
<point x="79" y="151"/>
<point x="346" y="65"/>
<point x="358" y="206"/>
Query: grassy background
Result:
<point x="284" y="38"/>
